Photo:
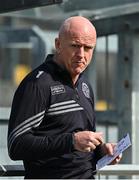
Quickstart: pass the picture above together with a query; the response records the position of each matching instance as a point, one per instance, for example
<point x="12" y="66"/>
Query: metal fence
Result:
<point x="118" y="170"/>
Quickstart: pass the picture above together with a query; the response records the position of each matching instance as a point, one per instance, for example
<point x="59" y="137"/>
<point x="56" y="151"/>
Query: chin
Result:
<point x="78" y="71"/>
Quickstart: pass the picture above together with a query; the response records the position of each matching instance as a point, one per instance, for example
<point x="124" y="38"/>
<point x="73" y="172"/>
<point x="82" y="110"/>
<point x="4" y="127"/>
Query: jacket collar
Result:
<point x="56" y="69"/>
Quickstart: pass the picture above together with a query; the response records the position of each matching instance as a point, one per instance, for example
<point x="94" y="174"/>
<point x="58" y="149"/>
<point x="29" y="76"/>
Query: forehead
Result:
<point x="81" y="37"/>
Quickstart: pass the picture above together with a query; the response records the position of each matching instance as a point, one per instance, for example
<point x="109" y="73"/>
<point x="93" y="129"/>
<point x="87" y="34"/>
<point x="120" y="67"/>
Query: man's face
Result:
<point x="76" y="50"/>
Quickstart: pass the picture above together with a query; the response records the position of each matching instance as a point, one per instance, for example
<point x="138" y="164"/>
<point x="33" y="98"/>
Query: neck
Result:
<point x="74" y="79"/>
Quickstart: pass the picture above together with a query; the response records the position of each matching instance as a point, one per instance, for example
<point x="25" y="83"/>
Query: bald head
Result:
<point x="75" y="45"/>
<point x="77" y="24"/>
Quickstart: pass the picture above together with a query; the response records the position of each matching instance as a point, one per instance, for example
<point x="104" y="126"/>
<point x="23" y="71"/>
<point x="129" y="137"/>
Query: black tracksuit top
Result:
<point x="47" y="109"/>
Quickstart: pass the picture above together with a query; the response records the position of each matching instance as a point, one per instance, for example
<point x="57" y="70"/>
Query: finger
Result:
<point x="118" y="158"/>
<point x="87" y="149"/>
<point x="113" y="145"/>
<point x="91" y="145"/>
<point x="115" y="161"/>
<point x="95" y="142"/>
<point x="109" y="148"/>
<point x="97" y="135"/>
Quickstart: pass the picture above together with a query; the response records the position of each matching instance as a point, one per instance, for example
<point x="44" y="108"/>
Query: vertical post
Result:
<point x="135" y="100"/>
<point x="107" y="72"/>
<point x="124" y="88"/>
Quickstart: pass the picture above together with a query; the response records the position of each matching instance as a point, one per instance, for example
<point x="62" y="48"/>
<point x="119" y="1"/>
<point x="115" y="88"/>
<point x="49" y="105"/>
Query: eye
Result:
<point x="75" y="45"/>
<point x="87" y="48"/>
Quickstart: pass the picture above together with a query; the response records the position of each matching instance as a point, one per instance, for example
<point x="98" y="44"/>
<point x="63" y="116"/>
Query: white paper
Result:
<point x="121" y="146"/>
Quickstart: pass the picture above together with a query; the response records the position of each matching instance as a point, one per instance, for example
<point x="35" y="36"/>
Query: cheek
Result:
<point x="89" y="57"/>
<point x="65" y="55"/>
<point x="68" y="53"/>
<point x="89" y="60"/>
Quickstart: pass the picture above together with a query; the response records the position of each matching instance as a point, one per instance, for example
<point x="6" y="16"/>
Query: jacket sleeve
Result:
<point x="28" y="111"/>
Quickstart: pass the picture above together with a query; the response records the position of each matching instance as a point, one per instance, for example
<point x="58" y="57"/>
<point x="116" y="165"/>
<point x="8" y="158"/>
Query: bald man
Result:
<point x="52" y="125"/>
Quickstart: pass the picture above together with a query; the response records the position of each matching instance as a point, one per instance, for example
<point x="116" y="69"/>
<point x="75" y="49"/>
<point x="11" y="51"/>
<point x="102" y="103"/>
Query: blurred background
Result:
<point x="27" y="32"/>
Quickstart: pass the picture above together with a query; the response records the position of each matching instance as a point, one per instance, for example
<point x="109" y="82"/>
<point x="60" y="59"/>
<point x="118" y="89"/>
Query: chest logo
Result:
<point x="85" y="90"/>
<point x="58" y="89"/>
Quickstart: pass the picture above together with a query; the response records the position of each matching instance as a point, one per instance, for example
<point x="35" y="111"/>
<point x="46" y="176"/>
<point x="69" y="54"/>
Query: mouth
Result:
<point x="79" y="62"/>
<point x="79" y="65"/>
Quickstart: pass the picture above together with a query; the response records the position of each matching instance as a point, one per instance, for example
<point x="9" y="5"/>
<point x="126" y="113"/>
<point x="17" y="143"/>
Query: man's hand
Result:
<point x="108" y="148"/>
<point x="86" y="141"/>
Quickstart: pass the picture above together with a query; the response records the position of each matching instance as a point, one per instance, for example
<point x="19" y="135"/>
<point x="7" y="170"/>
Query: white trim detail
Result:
<point x="25" y="122"/>
<point x="62" y="103"/>
<point x="63" y="107"/>
<point x="64" y="111"/>
<point x="25" y="126"/>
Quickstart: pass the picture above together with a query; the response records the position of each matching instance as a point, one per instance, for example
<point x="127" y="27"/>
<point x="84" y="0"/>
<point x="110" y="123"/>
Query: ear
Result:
<point x="57" y="45"/>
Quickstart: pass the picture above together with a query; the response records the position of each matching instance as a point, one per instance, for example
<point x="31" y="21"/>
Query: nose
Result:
<point x="80" y="52"/>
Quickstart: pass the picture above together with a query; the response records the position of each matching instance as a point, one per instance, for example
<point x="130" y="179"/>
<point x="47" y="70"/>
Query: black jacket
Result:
<point x="47" y="109"/>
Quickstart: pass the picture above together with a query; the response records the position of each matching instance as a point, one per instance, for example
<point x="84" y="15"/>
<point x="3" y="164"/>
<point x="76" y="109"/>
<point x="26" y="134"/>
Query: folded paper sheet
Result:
<point x="121" y="146"/>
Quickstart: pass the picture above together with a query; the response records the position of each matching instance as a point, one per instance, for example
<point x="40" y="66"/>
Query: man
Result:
<point x="52" y="122"/>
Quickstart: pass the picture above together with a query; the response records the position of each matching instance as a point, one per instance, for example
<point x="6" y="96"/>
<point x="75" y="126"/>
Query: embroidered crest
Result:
<point x="85" y="90"/>
<point x="58" y="89"/>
